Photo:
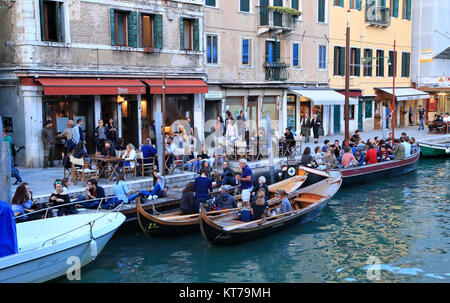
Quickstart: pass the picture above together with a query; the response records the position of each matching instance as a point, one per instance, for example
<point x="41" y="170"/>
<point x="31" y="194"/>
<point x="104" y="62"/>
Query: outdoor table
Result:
<point x="104" y="164"/>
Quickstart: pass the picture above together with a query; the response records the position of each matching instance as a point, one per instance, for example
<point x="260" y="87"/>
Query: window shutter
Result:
<point x="267" y="51"/>
<point x="113" y="28"/>
<point x="245" y="43"/>
<point x="244" y="6"/>
<point x="321" y="17"/>
<point x="139" y="30"/>
<point x="381" y="60"/>
<point x="341" y="3"/>
<point x="181" y="34"/>
<point x="211" y="2"/>
<point x="370" y="64"/>
<point x="358" y="62"/>
<point x="41" y="12"/>
<point x="359" y="5"/>
<point x="408" y="9"/>
<point x="395" y="8"/>
<point x="277" y="51"/>
<point x="196" y="38"/>
<point x="277" y="2"/>
<point x="58" y="8"/>
<point x="132" y="29"/>
<point x="295" y="54"/>
<point x="342" y="61"/>
<point x="294" y="4"/>
<point x="368" y="109"/>
<point x="158" y="32"/>
<point x="336" y="61"/>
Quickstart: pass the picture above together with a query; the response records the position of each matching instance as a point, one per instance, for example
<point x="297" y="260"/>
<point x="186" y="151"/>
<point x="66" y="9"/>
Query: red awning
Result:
<point x="180" y="86"/>
<point x="91" y="86"/>
<point x="352" y="93"/>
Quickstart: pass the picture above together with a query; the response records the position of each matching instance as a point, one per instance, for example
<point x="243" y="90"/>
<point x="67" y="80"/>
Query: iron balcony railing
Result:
<point x="276" y="71"/>
<point x="276" y="20"/>
<point x="378" y="15"/>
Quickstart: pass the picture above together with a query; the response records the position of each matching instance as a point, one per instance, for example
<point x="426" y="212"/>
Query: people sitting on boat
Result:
<point x="187" y="201"/>
<point x="259" y="206"/>
<point x="348" y="159"/>
<point x="65" y="183"/>
<point x="228" y="175"/>
<point x="93" y="195"/>
<point x="399" y="150"/>
<point x="204" y="165"/>
<point x="121" y="194"/>
<point x="21" y="203"/>
<point x="414" y="146"/>
<point x="307" y="159"/>
<point x="224" y="200"/>
<point x="384" y="152"/>
<point x="359" y="156"/>
<point x="371" y="154"/>
<point x="318" y="156"/>
<point x="159" y="188"/>
<point x="60" y="197"/>
<point x="261" y="184"/>
<point x="337" y="149"/>
<point x="285" y="206"/>
<point x="329" y="161"/>
<point x="203" y="188"/>
<point x="404" y="137"/>
<point x="407" y="147"/>
<point x="326" y="145"/>
<point x="357" y="136"/>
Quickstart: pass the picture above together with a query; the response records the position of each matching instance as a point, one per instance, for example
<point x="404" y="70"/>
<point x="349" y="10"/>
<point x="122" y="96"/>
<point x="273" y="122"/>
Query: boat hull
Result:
<point x="223" y="238"/>
<point x="52" y="266"/>
<point x="156" y="228"/>
<point x="433" y="151"/>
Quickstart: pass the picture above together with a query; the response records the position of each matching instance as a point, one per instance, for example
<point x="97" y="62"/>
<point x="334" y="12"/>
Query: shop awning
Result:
<point x="323" y="96"/>
<point x="406" y="93"/>
<point x="86" y="86"/>
<point x="177" y="86"/>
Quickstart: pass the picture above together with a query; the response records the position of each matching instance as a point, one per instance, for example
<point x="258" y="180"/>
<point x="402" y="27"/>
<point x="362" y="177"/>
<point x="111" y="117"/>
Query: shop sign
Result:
<point x="214" y="95"/>
<point x="426" y="56"/>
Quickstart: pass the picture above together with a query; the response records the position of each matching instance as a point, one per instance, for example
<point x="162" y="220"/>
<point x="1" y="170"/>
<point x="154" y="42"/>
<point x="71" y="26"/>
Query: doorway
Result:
<point x="337" y="119"/>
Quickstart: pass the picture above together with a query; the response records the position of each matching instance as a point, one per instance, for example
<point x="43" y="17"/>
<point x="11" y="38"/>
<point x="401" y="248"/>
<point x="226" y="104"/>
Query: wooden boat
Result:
<point x="173" y="223"/>
<point x="307" y="203"/>
<point x="432" y="147"/>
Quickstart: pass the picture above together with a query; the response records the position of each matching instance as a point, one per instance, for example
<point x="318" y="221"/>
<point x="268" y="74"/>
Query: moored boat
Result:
<point x="307" y="203"/>
<point x="174" y="223"/>
<point x="437" y="146"/>
<point x="46" y="248"/>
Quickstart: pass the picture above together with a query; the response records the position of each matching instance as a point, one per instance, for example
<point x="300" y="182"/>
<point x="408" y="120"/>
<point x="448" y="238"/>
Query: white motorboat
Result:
<point x="50" y="248"/>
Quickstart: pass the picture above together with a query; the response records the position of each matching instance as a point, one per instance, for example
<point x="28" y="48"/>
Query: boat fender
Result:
<point x="447" y="150"/>
<point x="93" y="248"/>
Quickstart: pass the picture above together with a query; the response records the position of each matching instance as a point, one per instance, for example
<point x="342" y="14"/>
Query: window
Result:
<point x="120" y="29"/>
<point x="52" y="21"/>
<point x="394" y="8"/>
<point x="189" y="34"/>
<point x="367" y="63"/>
<point x="391" y="64"/>
<point x="407" y="9"/>
<point x="244" y="6"/>
<point x="351" y="112"/>
<point x="406" y="57"/>
<point x="339" y="61"/>
<point x="246" y="52"/>
<point x="368" y="109"/>
<point x="272" y="51"/>
<point x="147" y="30"/>
<point x="210" y="3"/>
<point x="356" y="4"/>
<point x="355" y="61"/>
<point x="296" y="55"/>
<point x="212" y="49"/>
<point x="321" y="11"/>
<point x="339" y="3"/>
<point x="322" y="56"/>
<point x="380" y="63"/>
<point x="294" y="4"/>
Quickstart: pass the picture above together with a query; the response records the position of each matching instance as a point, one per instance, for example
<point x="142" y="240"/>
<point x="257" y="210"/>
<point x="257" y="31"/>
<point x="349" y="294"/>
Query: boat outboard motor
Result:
<point x="8" y="232"/>
<point x="289" y="169"/>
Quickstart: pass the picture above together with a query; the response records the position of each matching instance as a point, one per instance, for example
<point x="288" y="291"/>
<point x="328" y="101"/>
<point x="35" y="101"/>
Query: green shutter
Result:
<point x="294" y="4"/>
<point x="277" y="2"/>
<point x="277" y="51"/>
<point x="267" y="51"/>
<point x="341" y="3"/>
<point x="359" y="5"/>
<point x="113" y="28"/>
<point x="181" y="34"/>
<point x="370" y="63"/>
<point x="321" y="15"/>
<point x="395" y="9"/>
<point x="335" y="61"/>
<point x="196" y="30"/>
<point x="58" y="12"/>
<point x="368" y="109"/>
<point x="158" y="32"/>
<point x="41" y="12"/>
<point x="358" y="62"/>
<point x="244" y="6"/>
<point x="408" y="9"/>
<point x="381" y="60"/>
<point x="139" y="30"/>
<point x="132" y="29"/>
<point x="342" y="61"/>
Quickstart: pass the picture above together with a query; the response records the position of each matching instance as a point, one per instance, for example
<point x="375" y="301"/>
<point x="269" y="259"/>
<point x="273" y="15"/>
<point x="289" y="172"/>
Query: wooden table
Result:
<point x="104" y="164"/>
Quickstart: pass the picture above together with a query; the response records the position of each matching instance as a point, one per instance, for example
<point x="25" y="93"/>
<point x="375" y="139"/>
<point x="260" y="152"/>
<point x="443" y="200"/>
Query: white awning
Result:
<point x="324" y="96"/>
<point x="404" y="94"/>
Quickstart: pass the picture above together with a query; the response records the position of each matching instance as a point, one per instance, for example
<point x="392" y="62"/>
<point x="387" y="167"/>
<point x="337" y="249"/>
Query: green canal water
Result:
<point x="403" y="222"/>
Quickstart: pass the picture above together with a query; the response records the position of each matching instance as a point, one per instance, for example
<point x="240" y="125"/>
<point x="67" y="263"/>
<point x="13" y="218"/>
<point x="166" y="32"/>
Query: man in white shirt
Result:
<point x="407" y="148"/>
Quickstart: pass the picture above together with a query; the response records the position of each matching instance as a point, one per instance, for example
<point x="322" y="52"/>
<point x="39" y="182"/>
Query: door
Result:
<point x="252" y="110"/>
<point x="360" y="115"/>
<point x="337" y="119"/>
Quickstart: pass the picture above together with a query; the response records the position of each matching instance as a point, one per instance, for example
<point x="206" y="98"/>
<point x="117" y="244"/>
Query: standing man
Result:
<point x="48" y="138"/>
<point x="14" y="172"/>
<point x="410" y="115"/>
<point x="246" y="179"/>
<point x="306" y="127"/>
<point x="77" y="132"/>
<point x="67" y="134"/>
<point x="100" y="134"/>
<point x="421" y="114"/>
<point x="388" y="112"/>
<point x="241" y="123"/>
<point x="112" y="131"/>
<point x="316" y="123"/>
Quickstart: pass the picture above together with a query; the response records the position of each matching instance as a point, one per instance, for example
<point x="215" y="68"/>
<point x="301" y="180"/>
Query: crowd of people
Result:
<point x="359" y="152"/>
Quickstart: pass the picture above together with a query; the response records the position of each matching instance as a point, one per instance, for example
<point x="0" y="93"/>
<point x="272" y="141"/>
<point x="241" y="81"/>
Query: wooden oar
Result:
<point x="196" y="215"/>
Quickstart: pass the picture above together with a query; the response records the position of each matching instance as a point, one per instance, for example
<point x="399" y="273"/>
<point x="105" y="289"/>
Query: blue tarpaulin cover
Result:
<point x="8" y="233"/>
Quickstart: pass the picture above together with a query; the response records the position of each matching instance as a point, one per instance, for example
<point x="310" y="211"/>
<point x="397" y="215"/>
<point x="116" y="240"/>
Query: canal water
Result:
<point x="393" y="230"/>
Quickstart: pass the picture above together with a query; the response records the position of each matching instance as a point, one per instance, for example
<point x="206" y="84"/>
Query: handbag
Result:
<point x="321" y="133"/>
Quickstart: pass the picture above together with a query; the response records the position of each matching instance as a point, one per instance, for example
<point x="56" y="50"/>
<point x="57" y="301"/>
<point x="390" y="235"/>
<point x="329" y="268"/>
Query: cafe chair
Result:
<point x="145" y="165"/>
<point x="81" y="170"/>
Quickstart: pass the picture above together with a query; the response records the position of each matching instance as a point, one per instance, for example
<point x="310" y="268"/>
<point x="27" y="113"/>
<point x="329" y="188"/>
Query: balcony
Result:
<point x="378" y="16"/>
<point x="276" y="71"/>
<point x="276" y="19"/>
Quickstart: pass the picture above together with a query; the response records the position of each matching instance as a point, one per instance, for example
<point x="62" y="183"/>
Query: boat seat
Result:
<point x="308" y="200"/>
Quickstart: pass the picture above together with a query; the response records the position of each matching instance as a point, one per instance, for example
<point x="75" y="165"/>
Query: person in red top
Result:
<point x="371" y="155"/>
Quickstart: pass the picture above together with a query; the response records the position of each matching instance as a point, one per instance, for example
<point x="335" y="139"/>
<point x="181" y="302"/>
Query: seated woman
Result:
<point x="259" y="206"/>
<point x="121" y="194"/>
<point x="158" y="189"/>
<point x="21" y="203"/>
<point x="81" y="152"/>
<point x="192" y="162"/>
<point x="359" y="156"/>
<point x="262" y="184"/>
<point x="307" y="159"/>
<point x="329" y="161"/>
<point x="129" y="158"/>
<point x="187" y="201"/>
<point x="318" y="156"/>
<point x="60" y="197"/>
